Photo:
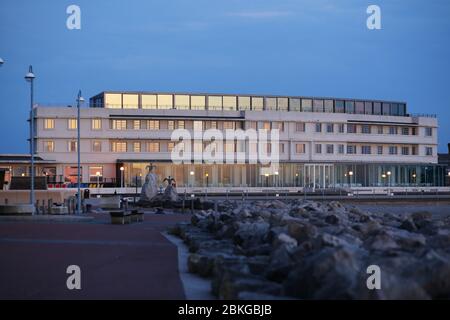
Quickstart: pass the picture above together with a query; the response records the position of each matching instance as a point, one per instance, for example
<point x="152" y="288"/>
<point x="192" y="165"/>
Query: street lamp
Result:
<point x="1" y="62"/>
<point x="350" y="173"/>
<point x="122" y="169"/>
<point x="80" y="100"/>
<point x="276" y="179"/>
<point x="207" y="179"/>
<point x="389" y="181"/>
<point x="29" y="77"/>
<point x="296" y="179"/>
<point x="267" y="179"/>
<point x="97" y="174"/>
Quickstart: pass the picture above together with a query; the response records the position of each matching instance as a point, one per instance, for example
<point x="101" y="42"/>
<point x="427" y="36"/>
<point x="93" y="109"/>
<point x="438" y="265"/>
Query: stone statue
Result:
<point x="170" y="192"/>
<point x="150" y="187"/>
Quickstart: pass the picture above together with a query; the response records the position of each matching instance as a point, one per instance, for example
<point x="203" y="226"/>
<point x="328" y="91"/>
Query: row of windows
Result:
<point x="369" y="149"/>
<point x="121" y="124"/>
<point x="231" y="103"/>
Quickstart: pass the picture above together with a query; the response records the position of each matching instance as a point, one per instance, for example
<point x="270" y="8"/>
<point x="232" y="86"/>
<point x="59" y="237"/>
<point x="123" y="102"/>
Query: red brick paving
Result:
<point x="117" y="262"/>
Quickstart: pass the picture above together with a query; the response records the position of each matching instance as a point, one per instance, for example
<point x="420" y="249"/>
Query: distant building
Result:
<point x="444" y="159"/>
<point x="324" y="142"/>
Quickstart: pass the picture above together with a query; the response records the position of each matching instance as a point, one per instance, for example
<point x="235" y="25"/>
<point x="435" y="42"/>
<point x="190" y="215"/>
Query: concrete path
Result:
<point x="117" y="262"/>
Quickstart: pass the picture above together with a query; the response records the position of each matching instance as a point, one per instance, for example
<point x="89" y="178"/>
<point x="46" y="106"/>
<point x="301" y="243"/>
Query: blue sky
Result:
<point x="301" y="47"/>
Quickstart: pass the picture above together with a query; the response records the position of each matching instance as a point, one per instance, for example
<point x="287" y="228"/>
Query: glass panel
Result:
<point x="181" y="102"/>
<point x="257" y="103"/>
<point x="244" y="103"/>
<point x="229" y="103"/>
<point x="215" y="103"/>
<point x="165" y="101"/>
<point x="318" y="105"/>
<point x="294" y="104"/>
<point x="130" y="101"/>
<point x="148" y="101"/>
<point x="394" y="109"/>
<point x="368" y="107"/>
<point x="113" y="100"/>
<point x="349" y="107"/>
<point x="386" y="108"/>
<point x="282" y="104"/>
<point x="359" y="107"/>
<point x="328" y="106"/>
<point x="377" y="108"/>
<point x="339" y="106"/>
<point x="402" y="109"/>
<point x="198" y="102"/>
<point x="271" y="104"/>
<point x="306" y="105"/>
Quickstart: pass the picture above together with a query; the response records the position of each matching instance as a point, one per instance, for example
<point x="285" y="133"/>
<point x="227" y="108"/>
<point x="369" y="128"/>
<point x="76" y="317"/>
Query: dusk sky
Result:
<point x="296" y="47"/>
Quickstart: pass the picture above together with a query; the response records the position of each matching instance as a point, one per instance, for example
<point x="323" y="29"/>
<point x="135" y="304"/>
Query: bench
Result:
<point x="126" y="216"/>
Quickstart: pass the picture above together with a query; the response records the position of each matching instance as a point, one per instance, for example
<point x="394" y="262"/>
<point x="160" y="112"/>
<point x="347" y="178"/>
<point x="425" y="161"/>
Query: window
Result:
<point x="152" y="146"/>
<point x="379" y="149"/>
<point x="386" y="108"/>
<point x="341" y="128"/>
<point x="377" y="108"/>
<point x="153" y="124"/>
<point x="257" y="103"/>
<point x="306" y="105"/>
<point x="380" y="129"/>
<point x="394" y="109"/>
<point x="366" y="150"/>
<point x="318" y="105"/>
<point x="392" y="150"/>
<point x="215" y="102"/>
<point x="428" y="151"/>
<point x="280" y="126"/>
<point x="229" y="103"/>
<point x="294" y="104"/>
<point x="230" y="125"/>
<point x="414" y="150"/>
<point x="365" y="128"/>
<point x="351" y="149"/>
<point x="182" y="102"/>
<point x="49" y="146"/>
<point x="401" y="109"/>
<point x="119" y="124"/>
<point x="180" y="124"/>
<point x="330" y="148"/>
<point x="72" y="124"/>
<point x="136" y="146"/>
<point x="265" y="125"/>
<point x="165" y="101"/>
<point x="318" y="148"/>
<point x="198" y="102"/>
<point x="244" y="103"/>
<point x="351" y="128"/>
<point x="349" y="107"/>
<point x="413" y="131"/>
<point x="328" y="106"/>
<point x="148" y="101"/>
<point x="282" y="104"/>
<point x="341" y="148"/>
<point x="49" y="124"/>
<point x="428" y="131"/>
<point x="330" y="127"/>
<point x="405" y="131"/>
<point x="213" y="124"/>
<point x="271" y="104"/>
<point x="318" y="127"/>
<point x="170" y="146"/>
<point x="300" y="127"/>
<point x="130" y="101"/>
<point x="113" y="100"/>
<point x="300" y="148"/>
<point x="171" y="125"/>
<point x="95" y="174"/>
<point x="339" y="106"/>
<point x="96" y="124"/>
<point x="281" y="145"/>
<point x="117" y="146"/>
<point x="368" y="107"/>
<point x="393" y="130"/>
<point x="405" y="151"/>
<point x="72" y="146"/>
<point x="136" y="124"/>
<point x="359" y="107"/>
<point x="96" y="146"/>
<point x="198" y="125"/>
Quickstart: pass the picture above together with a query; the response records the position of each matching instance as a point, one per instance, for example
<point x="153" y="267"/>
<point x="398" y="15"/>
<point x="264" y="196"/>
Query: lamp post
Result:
<point x="296" y="179"/>
<point x="350" y="173"/>
<point x="267" y="179"/>
<point x="80" y="100"/>
<point x="192" y="177"/>
<point x="98" y="181"/>
<point x="122" y="169"/>
<point x="30" y="78"/>
<point x="414" y="178"/>
<point x="276" y="179"/>
<point x="389" y="181"/>
<point x="1" y="62"/>
<point x="207" y="179"/>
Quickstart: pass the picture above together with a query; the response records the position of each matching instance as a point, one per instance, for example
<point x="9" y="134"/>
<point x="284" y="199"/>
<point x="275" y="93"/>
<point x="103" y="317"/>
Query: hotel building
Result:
<point x="324" y="142"/>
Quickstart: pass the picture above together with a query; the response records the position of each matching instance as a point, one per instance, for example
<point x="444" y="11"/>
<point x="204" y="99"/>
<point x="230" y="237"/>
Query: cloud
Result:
<point x="260" y="14"/>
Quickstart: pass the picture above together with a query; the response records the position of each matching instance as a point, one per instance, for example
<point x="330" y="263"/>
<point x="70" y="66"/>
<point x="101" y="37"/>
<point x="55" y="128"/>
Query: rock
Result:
<point x="409" y="225"/>
<point x="332" y="219"/>
<point x="381" y="242"/>
<point x="287" y="240"/>
<point x="421" y="215"/>
<point x="280" y="263"/>
<point x="249" y="234"/>
<point x="301" y="231"/>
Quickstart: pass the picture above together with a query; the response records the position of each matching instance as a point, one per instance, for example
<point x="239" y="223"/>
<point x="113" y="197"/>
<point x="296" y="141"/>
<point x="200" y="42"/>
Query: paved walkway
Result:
<point x="117" y="262"/>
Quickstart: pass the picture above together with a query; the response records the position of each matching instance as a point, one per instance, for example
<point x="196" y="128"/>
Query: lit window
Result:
<point x="271" y="103"/>
<point x="96" y="124"/>
<point x="72" y="146"/>
<point x="153" y="124"/>
<point x="282" y="104"/>
<point x="182" y="102"/>
<point x="171" y="125"/>
<point x="215" y="102"/>
<point x="97" y="146"/>
<point x="113" y="100"/>
<point x="49" y="124"/>
<point x="300" y="148"/>
<point x="180" y="124"/>
<point x="49" y="146"/>
<point x="118" y="146"/>
<point x="130" y="101"/>
<point x="170" y="146"/>
<point x="228" y="125"/>
<point x="213" y="124"/>
<point x="72" y="124"/>
<point x="152" y="146"/>
<point x="165" y="101"/>
<point x="294" y="104"/>
<point x="306" y="105"/>
<point x="198" y="102"/>
<point x="148" y="101"/>
<point x="136" y="124"/>
<point x="257" y="103"/>
<point x="95" y="174"/>
<point x="136" y="147"/>
<point x="119" y="124"/>
<point x="244" y="103"/>
<point x="229" y="103"/>
<point x="198" y="125"/>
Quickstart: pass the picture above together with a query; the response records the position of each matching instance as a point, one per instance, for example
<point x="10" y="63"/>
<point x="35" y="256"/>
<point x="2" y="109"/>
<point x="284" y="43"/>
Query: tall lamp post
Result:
<point x="80" y="100"/>
<point x="389" y="181"/>
<point x="30" y="78"/>
<point x="207" y="179"/>
<point x="122" y="169"/>
<point x="350" y="173"/>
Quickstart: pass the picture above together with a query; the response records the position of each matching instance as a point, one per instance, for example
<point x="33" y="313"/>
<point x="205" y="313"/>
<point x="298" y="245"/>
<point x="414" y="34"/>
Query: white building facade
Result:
<point x="324" y="142"/>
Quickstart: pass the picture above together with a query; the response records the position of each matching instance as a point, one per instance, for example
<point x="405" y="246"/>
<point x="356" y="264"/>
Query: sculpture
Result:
<point x="150" y="187"/>
<point x="170" y="193"/>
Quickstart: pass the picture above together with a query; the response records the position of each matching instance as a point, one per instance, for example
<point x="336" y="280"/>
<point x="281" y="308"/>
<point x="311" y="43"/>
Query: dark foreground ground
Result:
<point x="117" y="262"/>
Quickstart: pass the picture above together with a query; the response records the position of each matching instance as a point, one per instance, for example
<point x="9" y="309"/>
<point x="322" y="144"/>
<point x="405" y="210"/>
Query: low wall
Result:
<point x="23" y="196"/>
